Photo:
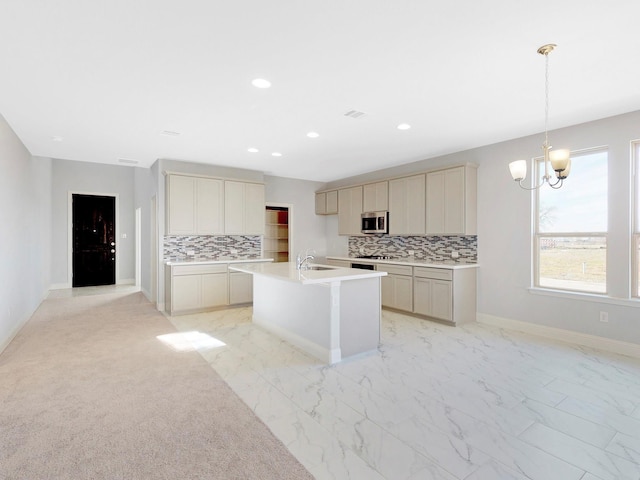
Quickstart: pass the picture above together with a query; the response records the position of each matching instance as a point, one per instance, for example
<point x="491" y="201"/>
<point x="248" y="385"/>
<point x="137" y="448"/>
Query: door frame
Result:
<point x="289" y="207"/>
<point x="71" y="193"/>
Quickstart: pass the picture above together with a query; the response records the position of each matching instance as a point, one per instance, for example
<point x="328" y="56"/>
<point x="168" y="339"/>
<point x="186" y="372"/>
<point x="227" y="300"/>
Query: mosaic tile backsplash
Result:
<point x="430" y="248"/>
<point x="210" y="247"/>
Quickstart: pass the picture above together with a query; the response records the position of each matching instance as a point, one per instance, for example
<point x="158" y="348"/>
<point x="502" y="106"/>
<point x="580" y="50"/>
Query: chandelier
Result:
<point x="557" y="160"/>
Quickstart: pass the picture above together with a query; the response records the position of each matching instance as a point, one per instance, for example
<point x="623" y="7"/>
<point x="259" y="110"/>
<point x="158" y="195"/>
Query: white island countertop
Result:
<point x="212" y="261"/>
<point x="287" y="271"/>
<point x="448" y="264"/>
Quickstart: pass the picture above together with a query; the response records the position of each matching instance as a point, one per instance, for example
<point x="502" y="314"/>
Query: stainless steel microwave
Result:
<point x="375" y="222"/>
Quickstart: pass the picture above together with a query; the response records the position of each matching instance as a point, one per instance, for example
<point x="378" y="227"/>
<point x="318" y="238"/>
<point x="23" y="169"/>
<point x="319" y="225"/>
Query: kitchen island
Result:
<point x="329" y="312"/>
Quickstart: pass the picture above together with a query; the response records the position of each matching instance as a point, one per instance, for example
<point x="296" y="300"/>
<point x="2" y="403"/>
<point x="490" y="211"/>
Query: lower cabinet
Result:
<point x="397" y="287"/>
<point x="433" y="293"/>
<point x="240" y="288"/>
<point x="196" y="287"/>
<point x="445" y="294"/>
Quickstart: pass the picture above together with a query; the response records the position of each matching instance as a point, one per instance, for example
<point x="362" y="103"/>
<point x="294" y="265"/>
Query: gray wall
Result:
<point x="504" y="230"/>
<point x="92" y="178"/>
<point x="307" y="229"/>
<point x="25" y="216"/>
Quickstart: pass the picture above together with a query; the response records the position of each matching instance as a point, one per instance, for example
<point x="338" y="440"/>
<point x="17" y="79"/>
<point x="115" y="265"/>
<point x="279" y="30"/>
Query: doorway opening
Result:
<point x="94" y="240"/>
<point x="276" y="233"/>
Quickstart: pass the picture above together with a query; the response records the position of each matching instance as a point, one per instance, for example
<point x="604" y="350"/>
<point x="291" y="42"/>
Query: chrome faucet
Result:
<point x="303" y="263"/>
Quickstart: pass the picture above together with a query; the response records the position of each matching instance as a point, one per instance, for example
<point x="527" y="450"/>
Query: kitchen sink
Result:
<point x="319" y="267"/>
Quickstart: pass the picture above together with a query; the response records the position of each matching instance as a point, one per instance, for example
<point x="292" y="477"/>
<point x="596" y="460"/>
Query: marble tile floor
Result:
<point x="437" y="402"/>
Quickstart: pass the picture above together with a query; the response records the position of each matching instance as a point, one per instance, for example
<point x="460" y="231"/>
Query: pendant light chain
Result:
<point x="546" y="99"/>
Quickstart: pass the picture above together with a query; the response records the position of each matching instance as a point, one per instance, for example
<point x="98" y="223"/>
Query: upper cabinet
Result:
<point x="195" y="205"/>
<point x="376" y="197"/>
<point x="407" y="205"/>
<point x="327" y="203"/>
<point x="212" y="206"/>
<point x="243" y="208"/>
<point x="451" y="201"/>
<point x="349" y="211"/>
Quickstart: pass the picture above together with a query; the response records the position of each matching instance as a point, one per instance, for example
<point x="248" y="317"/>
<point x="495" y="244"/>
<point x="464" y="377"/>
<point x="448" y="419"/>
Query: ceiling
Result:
<point x="101" y="81"/>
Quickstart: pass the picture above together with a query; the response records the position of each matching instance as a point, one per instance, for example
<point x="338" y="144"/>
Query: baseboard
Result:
<point x="126" y="281"/>
<point x="59" y="286"/>
<point x="568" y="336"/>
<point x="146" y="294"/>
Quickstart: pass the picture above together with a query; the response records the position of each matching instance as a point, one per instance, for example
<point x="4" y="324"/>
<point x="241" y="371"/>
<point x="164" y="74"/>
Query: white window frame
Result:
<point x="538" y="162"/>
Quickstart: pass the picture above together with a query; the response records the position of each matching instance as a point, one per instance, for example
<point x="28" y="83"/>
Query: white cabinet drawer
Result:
<point x="437" y="273"/>
<point x="198" y="269"/>
<point x="395" y="269"/>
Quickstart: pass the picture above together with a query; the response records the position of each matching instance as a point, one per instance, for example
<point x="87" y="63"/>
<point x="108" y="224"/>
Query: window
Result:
<point x="635" y="257"/>
<point x="571" y="227"/>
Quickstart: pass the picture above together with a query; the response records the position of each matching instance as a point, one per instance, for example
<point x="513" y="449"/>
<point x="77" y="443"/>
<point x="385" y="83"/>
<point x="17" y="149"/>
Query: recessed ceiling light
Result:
<point x="404" y="126"/>
<point x="276" y="154"/>
<point x="313" y="134"/>
<point x="261" y="83"/>
<point x="252" y="150"/>
<point x="55" y="138"/>
<point x="169" y="133"/>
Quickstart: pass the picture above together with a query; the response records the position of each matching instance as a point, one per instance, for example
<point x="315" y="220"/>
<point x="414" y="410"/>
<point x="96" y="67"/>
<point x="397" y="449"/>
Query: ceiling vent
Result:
<point x="128" y="161"/>
<point x="169" y="133"/>
<point x="354" y="114"/>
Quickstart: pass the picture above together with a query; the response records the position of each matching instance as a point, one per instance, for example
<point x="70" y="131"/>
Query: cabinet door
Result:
<point x="422" y="295"/>
<point x="181" y="200"/>
<point x="448" y="204"/>
<point x="243" y="208"/>
<point x="386" y="284"/>
<point x="254" y="209"/>
<point x="209" y="206"/>
<point x="214" y="290"/>
<point x="332" y="203"/>
<point x="441" y="300"/>
<point x="376" y="197"/>
<point x="233" y="208"/>
<point x="185" y="292"/>
<point x="435" y="203"/>
<point x="407" y="205"/>
<point x="403" y="292"/>
<point x="349" y="211"/>
<point x="321" y="203"/>
<point x="240" y="288"/>
<point x="454" y="201"/>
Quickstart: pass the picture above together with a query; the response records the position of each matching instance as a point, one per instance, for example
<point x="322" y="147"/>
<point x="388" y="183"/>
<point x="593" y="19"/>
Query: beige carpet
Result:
<point x="87" y="391"/>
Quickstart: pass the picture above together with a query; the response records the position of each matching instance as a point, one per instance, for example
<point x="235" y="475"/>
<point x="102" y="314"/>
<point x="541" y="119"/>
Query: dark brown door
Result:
<point x="94" y="240"/>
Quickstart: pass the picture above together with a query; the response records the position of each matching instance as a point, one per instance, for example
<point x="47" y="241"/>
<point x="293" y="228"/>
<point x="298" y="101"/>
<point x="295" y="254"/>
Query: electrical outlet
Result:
<point x="454" y="254"/>
<point x="411" y="253"/>
<point x="604" y="317"/>
<point x="191" y="253"/>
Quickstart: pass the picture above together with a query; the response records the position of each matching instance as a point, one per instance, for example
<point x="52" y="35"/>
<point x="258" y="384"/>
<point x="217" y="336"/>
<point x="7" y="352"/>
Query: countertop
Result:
<point x="450" y="265"/>
<point x="217" y="261"/>
<point x="287" y="271"/>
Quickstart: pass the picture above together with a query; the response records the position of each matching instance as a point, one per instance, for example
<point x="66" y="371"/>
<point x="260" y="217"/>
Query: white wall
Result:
<point x="307" y="229"/>
<point x="93" y="178"/>
<point x="143" y="191"/>
<point x="25" y="216"/>
<point x="505" y="237"/>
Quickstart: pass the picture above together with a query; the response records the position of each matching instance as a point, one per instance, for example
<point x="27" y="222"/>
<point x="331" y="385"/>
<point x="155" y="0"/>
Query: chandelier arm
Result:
<point x="544" y="180"/>
<point x="557" y="185"/>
